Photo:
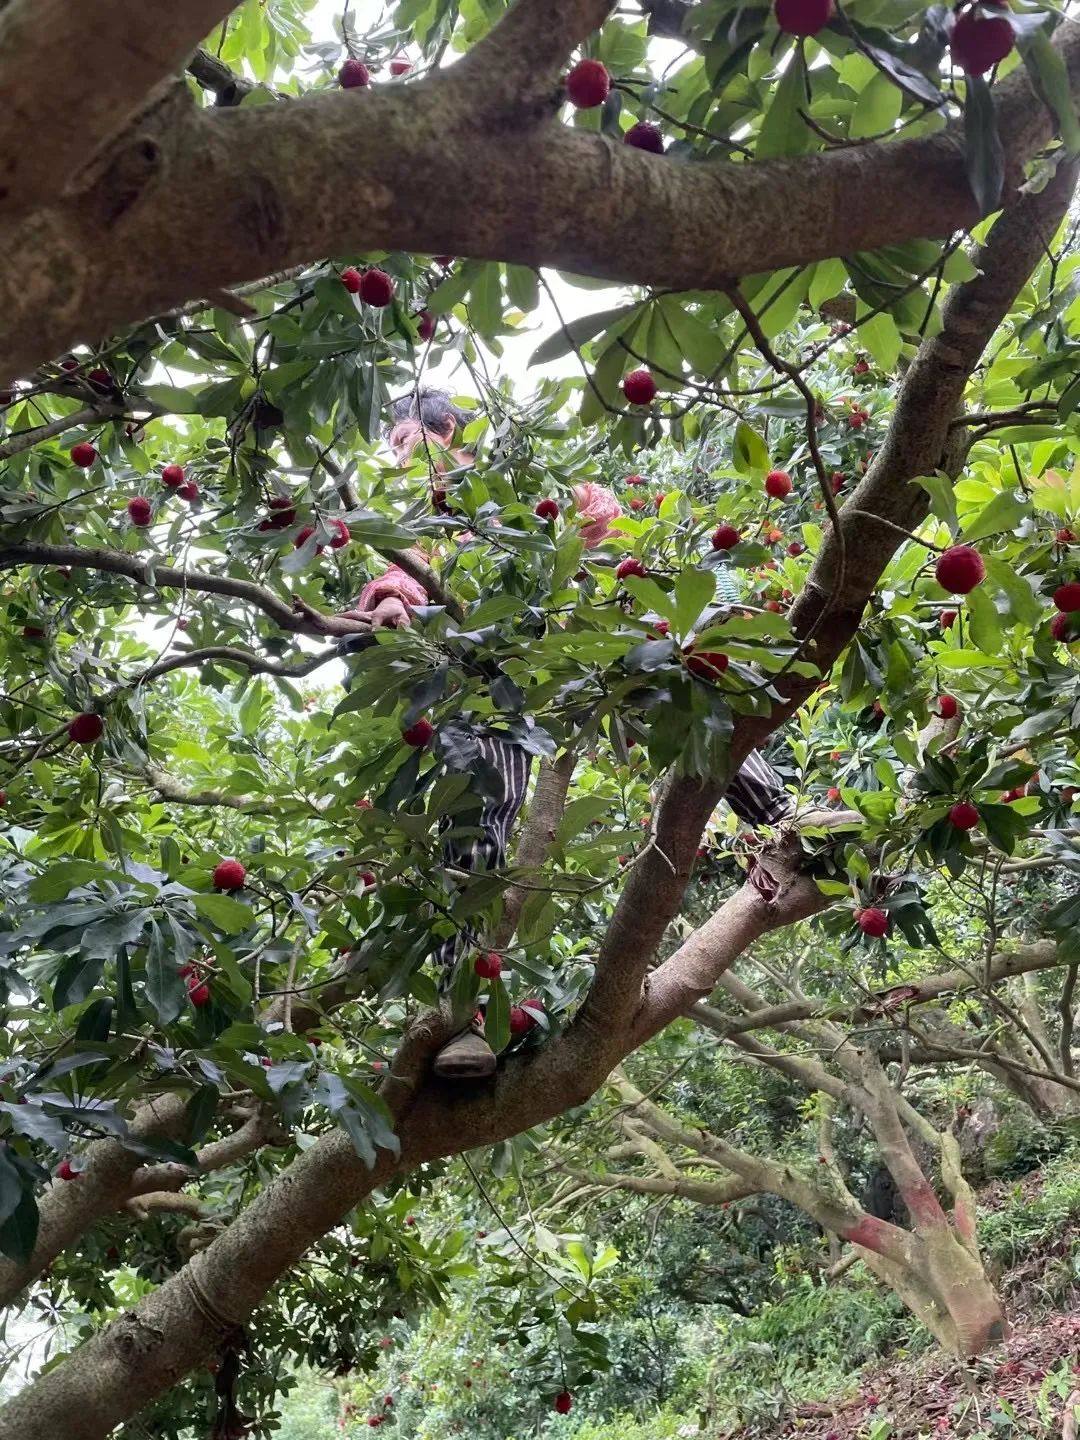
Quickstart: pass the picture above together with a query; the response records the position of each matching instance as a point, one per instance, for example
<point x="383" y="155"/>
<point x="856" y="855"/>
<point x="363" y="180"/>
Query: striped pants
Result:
<point x="481" y="841"/>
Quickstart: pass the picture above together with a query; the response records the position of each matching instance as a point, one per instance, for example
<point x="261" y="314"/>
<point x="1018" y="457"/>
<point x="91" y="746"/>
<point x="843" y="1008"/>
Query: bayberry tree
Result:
<point x="848" y="343"/>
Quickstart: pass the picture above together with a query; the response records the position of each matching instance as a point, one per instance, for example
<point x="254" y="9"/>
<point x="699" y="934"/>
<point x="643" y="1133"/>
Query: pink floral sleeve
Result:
<point x="393" y="584"/>
<point x="597" y="505"/>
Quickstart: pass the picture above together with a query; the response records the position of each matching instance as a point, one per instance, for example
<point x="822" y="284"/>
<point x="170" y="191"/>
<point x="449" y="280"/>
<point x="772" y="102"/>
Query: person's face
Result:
<point x="407" y="435"/>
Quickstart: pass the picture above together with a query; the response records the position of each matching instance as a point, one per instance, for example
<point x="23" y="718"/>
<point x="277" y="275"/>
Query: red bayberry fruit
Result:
<point x="872" y="922"/>
<point x="639" y="387"/>
<point x="979" y="42"/>
<point x="1065" y="537"/>
<point x="1063" y="628"/>
<point x="400" y="66"/>
<point x="587" y="84"/>
<point x="419" y="735"/>
<point x="83" y="454"/>
<point x="803" y="17"/>
<point x="964" y="816"/>
<point x="706" y="664"/>
<point x="795" y="548"/>
<point x="773" y="605"/>
<point x="637" y="503"/>
<point x="547" y="510"/>
<point x="857" y="419"/>
<point x="172" y="475"/>
<point x="775" y="537"/>
<point x="1067" y="597"/>
<point x="635" y="480"/>
<point x="489" y="966"/>
<point x="341" y="536"/>
<point x="65" y="1171"/>
<point x="199" y="995"/>
<point x="86" y="728"/>
<point x="833" y="793"/>
<point x="189" y="491"/>
<point x="629" y="567"/>
<point x="947" y="707"/>
<point x="367" y="878"/>
<point x="837" y="481"/>
<point x="947" y="619"/>
<point x="725" y="537"/>
<point x="100" y="379"/>
<point x="353" y="74"/>
<point x="645" y="136"/>
<point x="69" y="363"/>
<point x="228" y="875"/>
<point x="778" y="484"/>
<point x="425" y="325"/>
<point x="303" y="536"/>
<point x="376" y="288"/>
<point x="139" y="511"/>
<point x="563" y="1402"/>
<point x="351" y="279"/>
<point x="960" y="569"/>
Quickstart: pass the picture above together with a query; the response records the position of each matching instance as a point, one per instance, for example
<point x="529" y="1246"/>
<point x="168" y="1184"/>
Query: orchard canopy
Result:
<point x="798" y="285"/>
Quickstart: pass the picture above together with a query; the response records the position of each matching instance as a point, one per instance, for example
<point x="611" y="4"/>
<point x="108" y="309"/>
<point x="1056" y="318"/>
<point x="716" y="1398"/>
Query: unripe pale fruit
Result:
<point x="803" y="17"/>
<point x="139" y="510"/>
<point x="172" y="475"/>
<point x="960" y="569"/>
<point x="947" y="707"/>
<point x="83" y="454"/>
<point x="626" y="568"/>
<point x="419" y="735"/>
<point x="587" y="84"/>
<point x="979" y="42"/>
<point x="86" y="728"/>
<point x="706" y="664"/>
<point x="1067" y="597"/>
<point x="563" y="1402"/>
<point x="376" y="288"/>
<point x="489" y="966"/>
<point x="547" y="510"/>
<point x="725" y="537"/>
<point x="639" y="387"/>
<point x="964" y="816"/>
<point x="228" y="875"/>
<point x="872" y="922"/>
<point x="351" y="278"/>
<point x="353" y="74"/>
<point x="778" y="484"/>
<point x="645" y="136"/>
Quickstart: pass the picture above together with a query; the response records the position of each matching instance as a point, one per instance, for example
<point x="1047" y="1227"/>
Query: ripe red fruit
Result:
<point x="629" y="567"/>
<point x="537" y="1005"/>
<point x="637" y="503"/>
<point x="773" y="605"/>
<point x="341" y="535"/>
<point x="400" y="66"/>
<point x="662" y="626"/>
<point x="199" y="995"/>
<point x="489" y="966"/>
<point x="1067" y="597"/>
<point x="547" y="510"/>
<point x="425" y="325"/>
<point x="964" y="816"/>
<point x="64" y="1170"/>
<point x="83" y="454"/>
<point x="351" y="278"/>
<point x="833" y="793"/>
<point x="803" y="17"/>
<point x="872" y="922"/>
<point x="587" y="84"/>
<point x="100" y="379"/>
<point x="86" y="728"/>
<point x="139" y="511"/>
<point x="1065" y="537"/>
<point x="707" y="664"/>
<point x="947" y="619"/>
<point x="947" y="707"/>
<point x="302" y="536"/>
<point x="1063" y="628"/>
<point x="419" y="735"/>
<point x="189" y="491"/>
<point x="69" y="363"/>
<point x="362" y="804"/>
<point x="563" y="1401"/>
<point x="172" y="475"/>
<point x="645" y="136"/>
<point x="3" y="798"/>
<point x="639" y="387"/>
<point x="32" y="632"/>
<point x="960" y="569"/>
<point x="725" y="537"/>
<point x="635" y="480"/>
<point x="367" y="878"/>
<point x="979" y="42"/>
<point x="376" y="288"/>
<point x="857" y="419"/>
<point x="837" y="481"/>
<point x="795" y="548"/>
<point x="228" y="875"/>
<point x="353" y="74"/>
<point x="778" y="484"/>
<point x="860" y="368"/>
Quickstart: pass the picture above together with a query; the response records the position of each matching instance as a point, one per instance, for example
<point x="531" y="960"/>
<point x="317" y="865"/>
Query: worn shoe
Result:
<point x="467" y="1056"/>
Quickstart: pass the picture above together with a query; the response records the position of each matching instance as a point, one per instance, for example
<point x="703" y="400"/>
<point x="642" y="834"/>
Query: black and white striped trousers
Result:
<point x="756" y="794"/>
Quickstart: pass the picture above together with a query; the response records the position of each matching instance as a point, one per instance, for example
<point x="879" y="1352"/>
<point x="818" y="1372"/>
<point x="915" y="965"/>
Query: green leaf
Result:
<point x="200" y="1111"/>
<point x="76" y="979"/>
<point x="749" y="452"/>
<point x="577" y="331"/>
<point x="522" y="287"/>
<point x="1050" y="79"/>
<point x="165" y="987"/>
<point x="228" y="915"/>
<point x="984" y="626"/>
<point x="18" y="1233"/>
<point x="454" y="288"/>
<point x="694" y="589"/>
<point x="984" y="157"/>
<point x="942" y="498"/>
<point x="95" y="1022"/>
<point x="11" y="1185"/>
<point x="783" y="130"/>
<point x="497" y="1016"/>
<point x="881" y="337"/>
<point x="827" y="281"/>
<point x="171" y="398"/>
<point x="877" y="108"/>
<point x="1004" y="512"/>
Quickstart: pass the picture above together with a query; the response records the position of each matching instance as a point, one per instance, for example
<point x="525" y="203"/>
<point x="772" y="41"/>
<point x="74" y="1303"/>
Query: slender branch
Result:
<point x="214" y="75"/>
<point x="22" y="440"/>
<point x="230" y="655"/>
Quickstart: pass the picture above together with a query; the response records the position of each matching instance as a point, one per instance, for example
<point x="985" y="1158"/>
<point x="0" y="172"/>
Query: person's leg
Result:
<point x="757" y="793"/>
<point x="468" y="1056"/>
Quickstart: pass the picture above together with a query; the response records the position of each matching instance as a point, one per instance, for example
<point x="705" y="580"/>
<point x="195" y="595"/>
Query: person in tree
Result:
<point x="756" y="794"/>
